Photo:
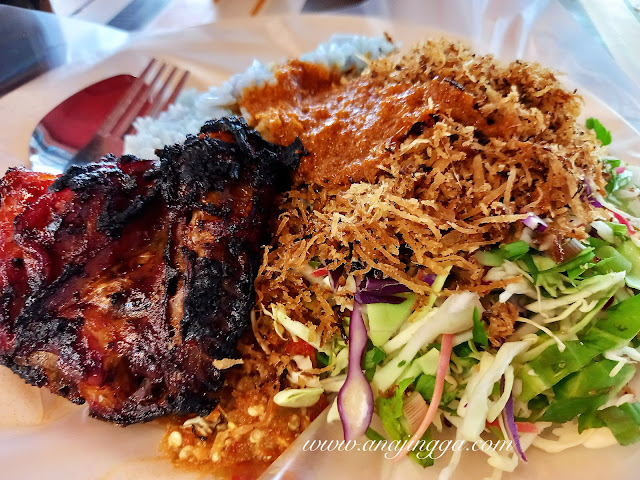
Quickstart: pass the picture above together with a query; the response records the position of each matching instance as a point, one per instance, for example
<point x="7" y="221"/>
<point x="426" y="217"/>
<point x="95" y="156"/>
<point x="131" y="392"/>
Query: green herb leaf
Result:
<point x="602" y="133"/>
<point x="619" y="230"/>
<point x="479" y="333"/>
<point x="371" y="434"/>
<point x="386" y="411"/>
<point x="612" y="163"/>
<point x="618" y="181"/>
<point x="426" y="459"/>
<point x="611" y="260"/>
<point x="594" y="380"/>
<point x="462" y="350"/>
<point x="449" y="396"/>
<point x="372" y="357"/>
<point x="515" y="250"/>
<point x="531" y="267"/>
<point x="576" y="273"/>
<point x="537" y="405"/>
<point x="585" y="256"/>
<point x="393" y="427"/>
<point x="596" y="242"/>
<point x="623" y="421"/>
<point x="322" y="359"/>
<point x="369" y="373"/>
<point x="497" y="256"/>
<point x="424" y="385"/>
<point x="397" y="397"/>
<point x="489" y="258"/>
<point x="615" y="330"/>
<point x="570" y="408"/>
<point x="589" y="420"/>
<point x="586" y="390"/>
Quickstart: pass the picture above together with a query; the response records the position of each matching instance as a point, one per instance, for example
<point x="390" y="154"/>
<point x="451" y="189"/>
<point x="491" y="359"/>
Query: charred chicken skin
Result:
<point x="122" y="281"/>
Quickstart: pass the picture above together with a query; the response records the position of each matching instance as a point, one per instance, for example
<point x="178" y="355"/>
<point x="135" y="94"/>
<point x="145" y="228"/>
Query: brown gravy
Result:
<point x="346" y="126"/>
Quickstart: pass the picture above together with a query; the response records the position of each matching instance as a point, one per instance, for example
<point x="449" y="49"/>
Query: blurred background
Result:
<point x="32" y="42"/>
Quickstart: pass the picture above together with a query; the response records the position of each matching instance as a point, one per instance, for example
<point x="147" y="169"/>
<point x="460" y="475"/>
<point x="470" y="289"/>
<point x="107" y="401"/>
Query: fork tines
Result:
<point x="152" y="92"/>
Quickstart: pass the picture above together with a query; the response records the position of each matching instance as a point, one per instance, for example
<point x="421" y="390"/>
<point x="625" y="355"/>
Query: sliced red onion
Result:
<point x="534" y="222"/>
<point x="510" y="424"/>
<point x="355" y="399"/>
<point x="366" y="298"/>
<point x="620" y="170"/>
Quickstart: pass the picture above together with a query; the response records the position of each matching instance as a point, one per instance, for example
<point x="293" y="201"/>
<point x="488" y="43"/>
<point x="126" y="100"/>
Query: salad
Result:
<point x="556" y="376"/>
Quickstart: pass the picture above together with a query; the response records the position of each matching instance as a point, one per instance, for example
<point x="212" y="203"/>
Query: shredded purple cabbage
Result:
<point x="334" y="277"/>
<point x="366" y="298"/>
<point x="587" y="195"/>
<point x="429" y="278"/>
<point x="373" y="290"/>
<point x="510" y="424"/>
<point x="386" y="286"/>
<point x="595" y="203"/>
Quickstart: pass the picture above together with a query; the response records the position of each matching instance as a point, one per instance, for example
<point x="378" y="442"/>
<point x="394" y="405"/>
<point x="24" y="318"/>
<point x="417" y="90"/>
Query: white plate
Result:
<point x="76" y="447"/>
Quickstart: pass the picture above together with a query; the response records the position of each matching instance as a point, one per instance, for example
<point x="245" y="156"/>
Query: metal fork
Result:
<point x="143" y="98"/>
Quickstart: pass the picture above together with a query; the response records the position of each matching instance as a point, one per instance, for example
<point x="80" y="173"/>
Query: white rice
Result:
<point x="192" y="108"/>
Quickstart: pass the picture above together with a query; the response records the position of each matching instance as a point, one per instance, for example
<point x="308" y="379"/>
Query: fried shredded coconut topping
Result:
<point x="502" y="318"/>
<point x="417" y="162"/>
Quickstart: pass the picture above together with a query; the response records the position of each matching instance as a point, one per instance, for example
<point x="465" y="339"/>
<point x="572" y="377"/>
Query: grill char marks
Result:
<point x="121" y="282"/>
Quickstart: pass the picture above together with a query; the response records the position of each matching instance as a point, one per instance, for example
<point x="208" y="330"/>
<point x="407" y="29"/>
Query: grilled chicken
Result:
<point x="122" y="281"/>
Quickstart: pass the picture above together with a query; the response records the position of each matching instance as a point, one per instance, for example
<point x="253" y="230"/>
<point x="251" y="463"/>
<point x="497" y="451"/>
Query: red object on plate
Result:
<point x="321" y="272"/>
<point x="76" y="120"/>
<point x="524" y="427"/>
<point x="299" y="348"/>
<point x="624" y="221"/>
